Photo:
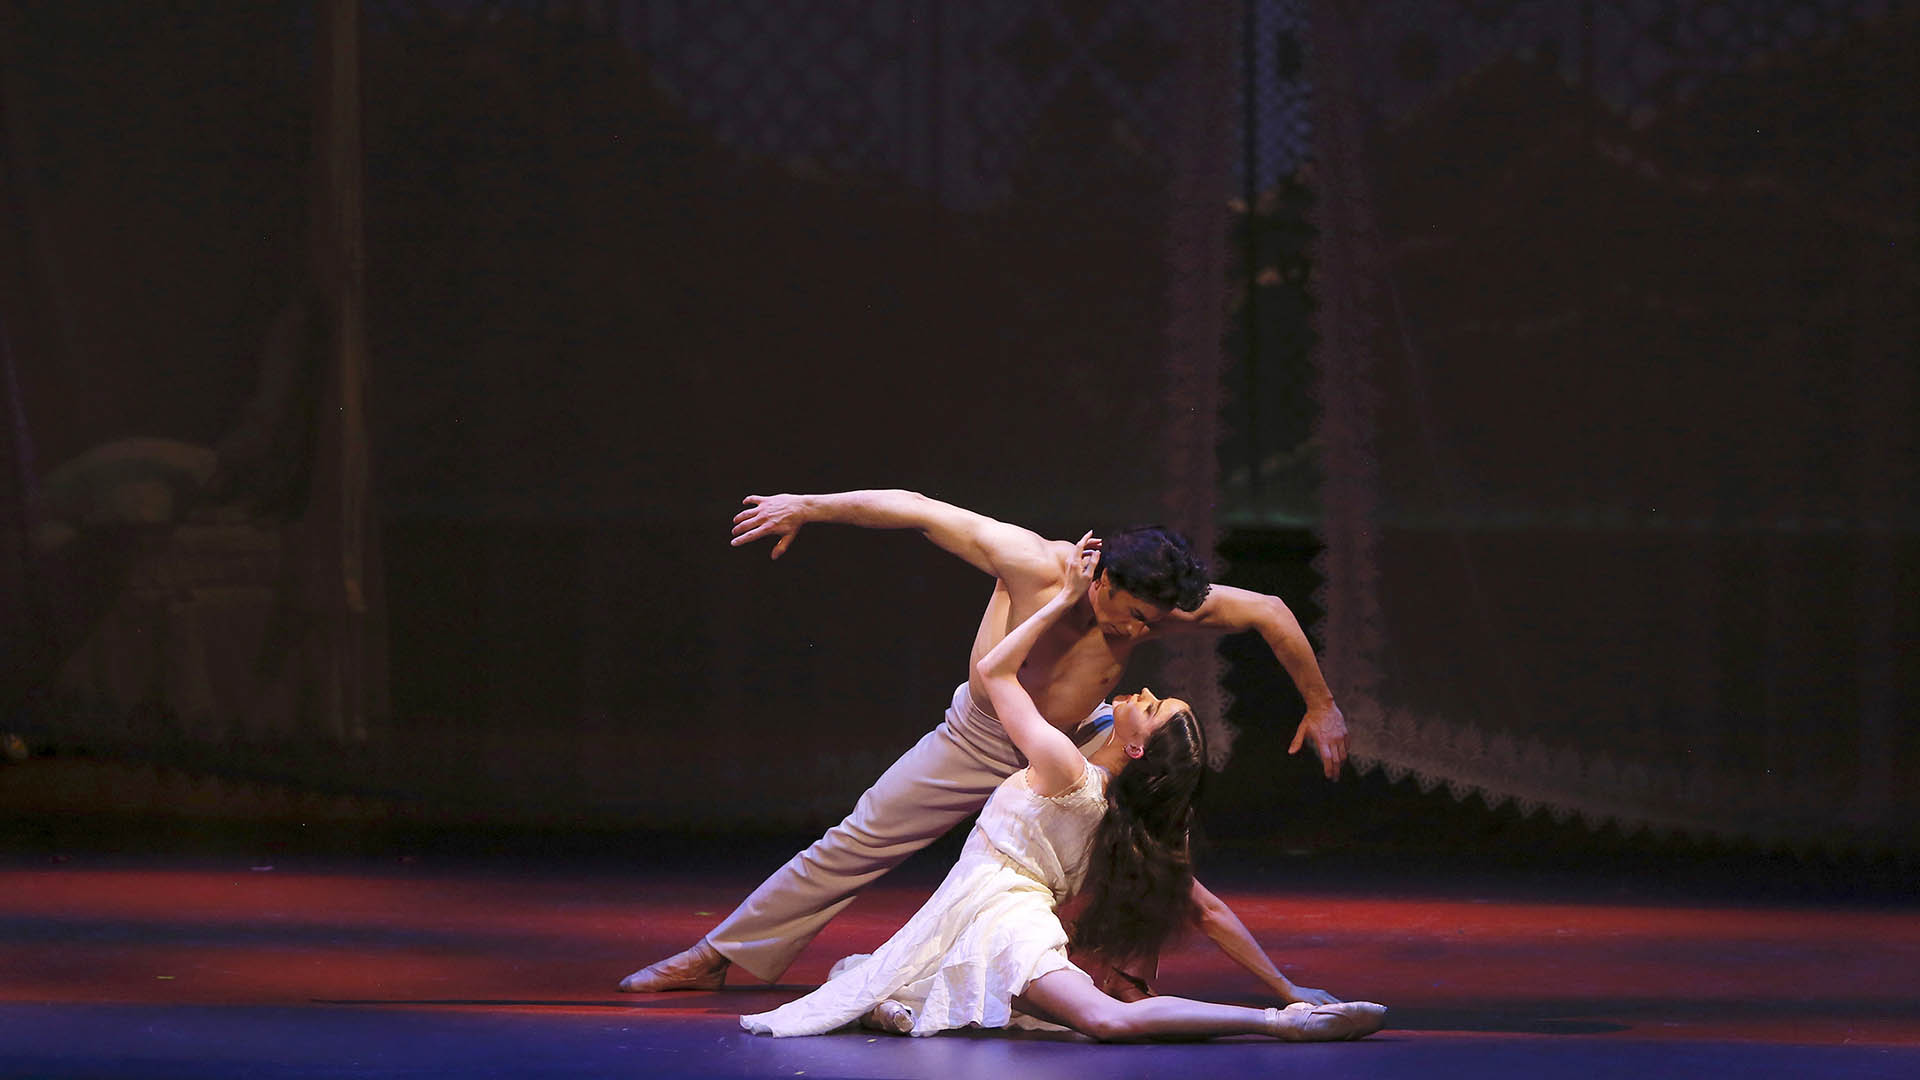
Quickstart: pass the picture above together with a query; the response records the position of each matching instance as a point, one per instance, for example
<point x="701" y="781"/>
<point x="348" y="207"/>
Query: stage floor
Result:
<point x="309" y="967"/>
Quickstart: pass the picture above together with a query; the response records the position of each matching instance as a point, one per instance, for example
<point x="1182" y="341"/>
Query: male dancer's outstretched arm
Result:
<point x="1231" y="610"/>
<point x="994" y="547"/>
<point x="1009" y="551"/>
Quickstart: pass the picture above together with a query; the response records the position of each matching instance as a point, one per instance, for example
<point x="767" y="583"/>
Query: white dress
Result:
<point x="988" y="931"/>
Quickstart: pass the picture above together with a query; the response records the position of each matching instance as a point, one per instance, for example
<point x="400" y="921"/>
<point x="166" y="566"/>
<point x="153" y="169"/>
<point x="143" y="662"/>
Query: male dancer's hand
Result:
<point x="1327" y="727"/>
<point x="777" y="515"/>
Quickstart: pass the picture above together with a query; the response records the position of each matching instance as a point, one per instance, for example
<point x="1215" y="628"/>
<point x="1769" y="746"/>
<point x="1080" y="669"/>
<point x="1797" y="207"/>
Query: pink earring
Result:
<point x="1135" y="751"/>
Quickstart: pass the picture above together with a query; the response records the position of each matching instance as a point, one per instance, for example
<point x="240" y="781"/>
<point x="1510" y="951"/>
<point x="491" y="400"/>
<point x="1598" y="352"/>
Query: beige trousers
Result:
<point x="947" y="775"/>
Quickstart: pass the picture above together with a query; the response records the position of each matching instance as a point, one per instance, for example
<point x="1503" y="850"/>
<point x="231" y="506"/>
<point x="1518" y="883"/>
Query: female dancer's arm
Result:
<point x="1055" y="761"/>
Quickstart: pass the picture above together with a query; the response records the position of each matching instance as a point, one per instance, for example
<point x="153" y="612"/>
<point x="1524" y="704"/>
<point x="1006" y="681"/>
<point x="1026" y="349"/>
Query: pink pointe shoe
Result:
<point x="889" y="1016"/>
<point x="1301" y="1022"/>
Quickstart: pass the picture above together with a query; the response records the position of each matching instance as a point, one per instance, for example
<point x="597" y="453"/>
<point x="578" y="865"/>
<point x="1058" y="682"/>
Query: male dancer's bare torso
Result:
<point x="1074" y="665"/>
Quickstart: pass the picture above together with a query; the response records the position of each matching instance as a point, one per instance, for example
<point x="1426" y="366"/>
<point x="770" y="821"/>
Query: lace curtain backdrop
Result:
<point x="1616" y="378"/>
<point x="1613" y="312"/>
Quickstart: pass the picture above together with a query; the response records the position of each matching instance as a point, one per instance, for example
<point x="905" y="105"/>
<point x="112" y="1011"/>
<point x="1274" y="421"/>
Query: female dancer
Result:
<point x="989" y="940"/>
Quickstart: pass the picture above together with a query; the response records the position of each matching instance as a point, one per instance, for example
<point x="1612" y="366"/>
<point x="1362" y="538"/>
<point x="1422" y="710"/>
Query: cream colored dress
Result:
<point x="988" y="931"/>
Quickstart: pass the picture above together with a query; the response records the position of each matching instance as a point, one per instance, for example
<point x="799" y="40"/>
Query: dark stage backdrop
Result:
<point x="381" y="378"/>
<point x="449" y="381"/>
<point x="1616" y="352"/>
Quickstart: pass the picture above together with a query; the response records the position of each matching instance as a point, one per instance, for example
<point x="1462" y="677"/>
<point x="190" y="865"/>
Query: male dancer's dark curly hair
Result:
<point x="1139" y="883"/>
<point x="1155" y="564"/>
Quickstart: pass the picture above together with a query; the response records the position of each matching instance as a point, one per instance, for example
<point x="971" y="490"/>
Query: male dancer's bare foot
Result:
<point x="1301" y="1022"/>
<point x="699" y="968"/>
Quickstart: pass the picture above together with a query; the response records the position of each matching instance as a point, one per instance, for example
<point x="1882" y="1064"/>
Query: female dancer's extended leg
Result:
<point x="1067" y="997"/>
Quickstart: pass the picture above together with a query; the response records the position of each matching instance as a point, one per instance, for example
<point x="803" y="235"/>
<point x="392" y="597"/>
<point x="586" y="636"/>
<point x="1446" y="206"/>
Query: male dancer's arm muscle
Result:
<point x="1008" y="552"/>
<point x="1220" y="924"/>
<point x="1230" y="609"/>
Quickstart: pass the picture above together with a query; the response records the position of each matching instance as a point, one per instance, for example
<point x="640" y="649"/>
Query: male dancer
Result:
<point x="1149" y="583"/>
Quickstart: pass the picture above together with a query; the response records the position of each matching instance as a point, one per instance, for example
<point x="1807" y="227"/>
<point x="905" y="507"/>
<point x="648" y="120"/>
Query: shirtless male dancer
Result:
<point x="1149" y="584"/>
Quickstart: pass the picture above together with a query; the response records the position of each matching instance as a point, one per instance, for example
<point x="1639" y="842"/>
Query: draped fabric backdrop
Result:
<point x="1617" y="388"/>
<point x="625" y="263"/>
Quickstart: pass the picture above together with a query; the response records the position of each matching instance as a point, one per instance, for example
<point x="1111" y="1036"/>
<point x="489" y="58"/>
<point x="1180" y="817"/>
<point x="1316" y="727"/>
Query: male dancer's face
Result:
<point x="1120" y="613"/>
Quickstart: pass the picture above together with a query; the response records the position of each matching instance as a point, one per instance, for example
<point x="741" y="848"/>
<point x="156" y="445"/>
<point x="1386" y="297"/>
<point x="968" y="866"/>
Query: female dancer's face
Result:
<point x="1137" y="716"/>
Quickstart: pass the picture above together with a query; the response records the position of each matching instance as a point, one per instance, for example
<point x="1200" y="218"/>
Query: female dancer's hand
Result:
<point x="1295" y="992"/>
<point x="1086" y="556"/>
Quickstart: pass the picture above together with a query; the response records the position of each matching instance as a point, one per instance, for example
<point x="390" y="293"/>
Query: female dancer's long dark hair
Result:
<point x="1139" y="883"/>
